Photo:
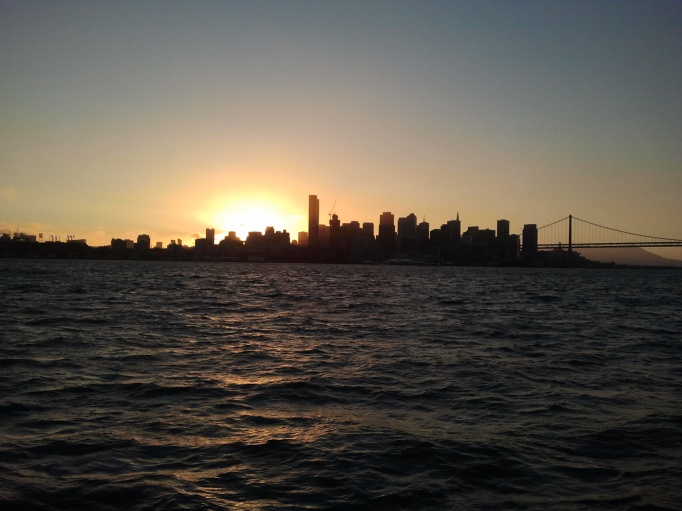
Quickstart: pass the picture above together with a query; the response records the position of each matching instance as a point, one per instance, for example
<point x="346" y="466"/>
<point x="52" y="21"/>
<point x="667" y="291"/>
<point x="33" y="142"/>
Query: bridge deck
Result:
<point x="614" y="245"/>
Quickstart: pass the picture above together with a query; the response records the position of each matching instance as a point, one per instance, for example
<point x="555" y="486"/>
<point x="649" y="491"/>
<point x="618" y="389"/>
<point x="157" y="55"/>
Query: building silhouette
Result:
<point x="386" y="238"/>
<point x="456" y="229"/>
<point x="529" y="247"/>
<point x="407" y="230"/>
<point x="313" y="221"/>
<point x="368" y="230"/>
<point x="423" y="233"/>
<point x="323" y="241"/>
<point x="350" y="242"/>
<point x="334" y="232"/>
<point x="144" y="242"/>
<point x="502" y="229"/>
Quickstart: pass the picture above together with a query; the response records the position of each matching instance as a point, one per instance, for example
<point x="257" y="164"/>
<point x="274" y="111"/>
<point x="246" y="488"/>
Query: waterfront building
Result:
<point x="144" y="242"/>
<point x="529" y="247"/>
<point x="407" y="227"/>
<point x="486" y="236"/>
<point x="323" y="241"/>
<point x="334" y="231"/>
<point x="386" y="238"/>
<point x="470" y="236"/>
<point x="456" y="227"/>
<point x="423" y="233"/>
<point x="368" y="230"/>
<point x="502" y="229"/>
<point x="313" y="221"/>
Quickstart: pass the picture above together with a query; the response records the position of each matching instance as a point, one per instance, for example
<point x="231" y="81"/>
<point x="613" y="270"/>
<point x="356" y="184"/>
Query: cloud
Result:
<point x="9" y="192"/>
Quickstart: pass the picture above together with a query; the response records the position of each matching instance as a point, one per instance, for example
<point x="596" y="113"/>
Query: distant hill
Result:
<point x="628" y="255"/>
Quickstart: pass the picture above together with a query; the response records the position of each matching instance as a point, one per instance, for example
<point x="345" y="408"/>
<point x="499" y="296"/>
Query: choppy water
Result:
<point x="133" y="385"/>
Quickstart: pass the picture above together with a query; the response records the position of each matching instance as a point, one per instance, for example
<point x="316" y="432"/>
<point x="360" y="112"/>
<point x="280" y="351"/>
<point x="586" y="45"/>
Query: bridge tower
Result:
<point x="570" y="234"/>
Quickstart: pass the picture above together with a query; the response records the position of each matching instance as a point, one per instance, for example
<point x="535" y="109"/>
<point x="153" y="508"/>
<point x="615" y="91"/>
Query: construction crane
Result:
<point x="331" y="211"/>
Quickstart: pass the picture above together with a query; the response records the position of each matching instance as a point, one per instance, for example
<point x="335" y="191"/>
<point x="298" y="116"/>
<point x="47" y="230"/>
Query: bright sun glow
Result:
<point x="244" y="215"/>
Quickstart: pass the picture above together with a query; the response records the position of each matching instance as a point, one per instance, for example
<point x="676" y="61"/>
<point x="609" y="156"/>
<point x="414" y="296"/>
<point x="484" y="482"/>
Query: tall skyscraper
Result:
<point x="456" y="227"/>
<point x="502" y="229"/>
<point x="210" y="236"/>
<point x="423" y="232"/>
<point x="386" y="236"/>
<point x="313" y="221"/>
<point x="143" y="242"/>
<point x="407" y="227"/>
<point x="529" y="247"/>
<point x="334" y="231"/>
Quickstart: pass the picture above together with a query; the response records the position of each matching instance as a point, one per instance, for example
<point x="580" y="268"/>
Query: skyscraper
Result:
<point x="407" y="227"/>
<point x="502" y="229"/>
<point x="456" y="227"/>
<point x="368" y="230"/>
<point x="313" y="221"/>
<point x="334" y="231"/>
<point x="529" y="247"/>
<point x="143" y="242"/>
<point x="423" y="232"/>
<point x="386" y="236"/>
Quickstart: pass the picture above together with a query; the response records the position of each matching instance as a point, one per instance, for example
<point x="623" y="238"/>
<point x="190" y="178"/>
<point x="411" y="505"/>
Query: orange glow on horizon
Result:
<point x="253" y="212"/>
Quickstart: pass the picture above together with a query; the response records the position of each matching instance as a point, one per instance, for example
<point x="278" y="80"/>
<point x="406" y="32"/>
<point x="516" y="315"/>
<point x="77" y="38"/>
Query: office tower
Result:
<point x="486" y="236"/>
<point x="313" y="221"/>
<point x="334" y="231"/>
<point x="502" y="229"/>
<point x="470" y="236"/>
<point x="302" y="239"/>
<point x="323" y="241"/>
<point x="210" y="236"/>
<point x="529" y="247"/>
<point x="401" y="229"/>
<point x="386" y="236"/>
<point x="368" y="230"/>
<point x="411" y="225"/>
<point x="423" y="232"/>
<point x="455" y="228"/>
<point x="407" y="228"/>
<point x="143" y="242"/>
<point x="386" y="218"/>
<point x="446" y="237"/>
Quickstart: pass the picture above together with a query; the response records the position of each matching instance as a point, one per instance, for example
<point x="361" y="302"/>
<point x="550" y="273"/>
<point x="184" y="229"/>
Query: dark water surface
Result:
<point x="136" y="385"/>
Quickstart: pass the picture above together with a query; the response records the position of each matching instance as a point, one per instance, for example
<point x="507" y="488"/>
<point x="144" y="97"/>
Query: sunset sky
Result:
<point x="121" y="117"/>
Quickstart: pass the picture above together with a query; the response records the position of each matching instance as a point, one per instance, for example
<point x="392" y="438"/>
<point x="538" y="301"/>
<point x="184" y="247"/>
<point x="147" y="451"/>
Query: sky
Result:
<point x="166" y="117"/>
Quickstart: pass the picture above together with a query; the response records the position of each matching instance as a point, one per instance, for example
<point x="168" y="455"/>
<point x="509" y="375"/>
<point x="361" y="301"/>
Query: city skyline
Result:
<point x="165" y="118"/>
<point x="389" y="227"/>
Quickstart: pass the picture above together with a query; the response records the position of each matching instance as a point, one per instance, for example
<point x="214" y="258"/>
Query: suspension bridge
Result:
<point x="572" y="232"/>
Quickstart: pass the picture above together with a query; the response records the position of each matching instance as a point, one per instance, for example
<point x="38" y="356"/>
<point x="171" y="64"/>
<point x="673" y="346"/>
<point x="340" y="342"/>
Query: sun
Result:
<point x="251" y="213"/>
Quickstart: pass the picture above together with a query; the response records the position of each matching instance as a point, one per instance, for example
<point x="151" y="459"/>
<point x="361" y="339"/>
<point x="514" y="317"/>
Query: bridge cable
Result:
<point x="618" y="230"/>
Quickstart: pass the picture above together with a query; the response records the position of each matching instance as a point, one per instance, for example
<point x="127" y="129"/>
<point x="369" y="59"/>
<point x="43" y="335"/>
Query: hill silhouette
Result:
<point x="628" y="255"/>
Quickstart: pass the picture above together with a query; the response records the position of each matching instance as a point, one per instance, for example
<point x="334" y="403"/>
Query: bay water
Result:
<point x="166" y="385"/>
